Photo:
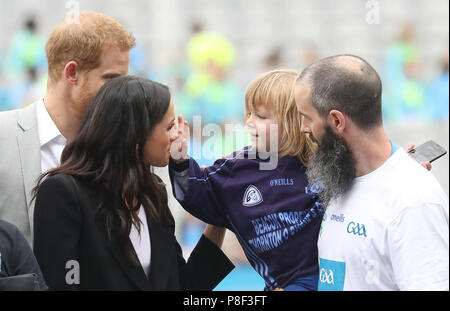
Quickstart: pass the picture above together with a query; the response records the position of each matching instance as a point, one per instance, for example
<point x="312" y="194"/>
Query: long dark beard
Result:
<point x="332" y="167"/>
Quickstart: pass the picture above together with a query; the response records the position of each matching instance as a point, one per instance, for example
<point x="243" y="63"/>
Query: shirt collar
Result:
<point x="48" y="130"/>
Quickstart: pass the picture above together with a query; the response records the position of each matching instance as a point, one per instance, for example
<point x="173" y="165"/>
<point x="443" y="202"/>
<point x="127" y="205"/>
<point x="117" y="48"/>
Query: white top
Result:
<point x="141" y="243"/>
<point x="51" y="140"/>
<point x="390" y="232"/>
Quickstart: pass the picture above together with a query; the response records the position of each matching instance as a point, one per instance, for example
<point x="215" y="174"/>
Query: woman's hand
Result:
<point x="179" y="148"/>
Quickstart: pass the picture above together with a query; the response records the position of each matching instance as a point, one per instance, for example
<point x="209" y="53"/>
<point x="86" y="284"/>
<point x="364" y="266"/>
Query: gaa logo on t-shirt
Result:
<point x="356" y="229"/>
<point x="331" y="275"/>
<point x="252" y="196"/>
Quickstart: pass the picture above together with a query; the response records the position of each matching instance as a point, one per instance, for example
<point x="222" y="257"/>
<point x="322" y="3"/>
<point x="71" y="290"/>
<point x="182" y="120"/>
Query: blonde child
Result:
<point x="274" y="214"/>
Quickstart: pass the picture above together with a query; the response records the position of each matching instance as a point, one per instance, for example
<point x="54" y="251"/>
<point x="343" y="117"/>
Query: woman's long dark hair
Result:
<point x="108" y="151"/>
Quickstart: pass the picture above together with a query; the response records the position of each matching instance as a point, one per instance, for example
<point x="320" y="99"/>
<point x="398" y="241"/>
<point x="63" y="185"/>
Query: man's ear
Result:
<point x="71" y="72"/>
<point x="336" y="120"/>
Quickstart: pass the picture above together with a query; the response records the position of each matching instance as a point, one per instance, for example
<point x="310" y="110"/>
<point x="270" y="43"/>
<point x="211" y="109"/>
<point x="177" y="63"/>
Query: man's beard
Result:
<point x="81" y="102"/>
<point x="331" y="168"/>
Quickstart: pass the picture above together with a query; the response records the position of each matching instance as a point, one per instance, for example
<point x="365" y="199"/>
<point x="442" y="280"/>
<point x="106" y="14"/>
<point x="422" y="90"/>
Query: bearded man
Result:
<point x="390" y="229"/>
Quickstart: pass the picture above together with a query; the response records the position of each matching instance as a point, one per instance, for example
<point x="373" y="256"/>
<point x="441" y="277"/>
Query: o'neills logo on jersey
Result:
<point x="282" y="182"/>
<point x="252" y="196"/>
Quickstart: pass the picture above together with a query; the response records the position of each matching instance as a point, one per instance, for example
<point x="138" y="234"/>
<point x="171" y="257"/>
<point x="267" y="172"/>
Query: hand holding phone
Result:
<point x="427" y="152"/>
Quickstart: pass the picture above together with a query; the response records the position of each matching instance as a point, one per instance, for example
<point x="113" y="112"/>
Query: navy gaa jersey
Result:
<point x="273" y="213"/>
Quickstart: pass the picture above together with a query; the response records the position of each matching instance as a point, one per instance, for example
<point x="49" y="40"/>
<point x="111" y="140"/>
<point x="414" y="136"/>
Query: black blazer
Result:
<point x="65" y="230"/>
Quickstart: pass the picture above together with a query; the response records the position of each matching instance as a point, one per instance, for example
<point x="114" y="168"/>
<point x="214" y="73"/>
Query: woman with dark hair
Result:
<point x="101" y="220"/>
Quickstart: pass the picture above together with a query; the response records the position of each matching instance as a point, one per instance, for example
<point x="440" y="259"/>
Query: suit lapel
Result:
<point x="30" y="154"/>
<point x="134" y="272"/>
<point x="161" y="256"/>
<point x="160" y="264"/>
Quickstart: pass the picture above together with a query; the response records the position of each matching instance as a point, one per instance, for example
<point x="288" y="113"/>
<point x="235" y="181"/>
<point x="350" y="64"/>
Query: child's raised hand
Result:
<point x="180" y="146"/>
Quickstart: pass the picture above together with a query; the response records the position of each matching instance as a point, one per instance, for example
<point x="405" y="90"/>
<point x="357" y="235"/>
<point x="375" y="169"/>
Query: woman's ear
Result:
<point x="336" y="120"/>
<point x="71" y="72"/>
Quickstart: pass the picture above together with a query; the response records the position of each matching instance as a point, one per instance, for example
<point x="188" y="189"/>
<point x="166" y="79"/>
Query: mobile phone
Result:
<point x="427" y="152"/>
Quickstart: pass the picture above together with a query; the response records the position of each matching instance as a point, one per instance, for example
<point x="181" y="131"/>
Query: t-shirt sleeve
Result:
<point x="419" y="248"/>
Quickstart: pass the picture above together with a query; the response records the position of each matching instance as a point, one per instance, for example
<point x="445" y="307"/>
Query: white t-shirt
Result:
<point x="390" y="232"/>
<point x="141" y="242"/>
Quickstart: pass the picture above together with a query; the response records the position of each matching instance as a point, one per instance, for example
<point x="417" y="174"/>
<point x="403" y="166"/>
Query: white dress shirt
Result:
<point x="51" y="140"/>
<point x="141" y="242"/>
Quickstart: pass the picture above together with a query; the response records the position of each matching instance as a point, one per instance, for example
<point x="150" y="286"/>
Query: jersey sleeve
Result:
<point x="201" y="192"/>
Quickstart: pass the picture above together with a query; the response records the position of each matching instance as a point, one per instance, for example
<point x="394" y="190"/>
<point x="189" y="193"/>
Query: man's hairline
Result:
<point x="86" y="71"/>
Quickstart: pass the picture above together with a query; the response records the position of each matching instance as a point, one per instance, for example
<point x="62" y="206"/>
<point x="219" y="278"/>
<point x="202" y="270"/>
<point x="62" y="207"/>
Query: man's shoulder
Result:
<point x="414" y="184"/>
<point x="413" y="173"/>
<point x="399" y="183"/>
<point x="25" y="116"/>
<point x="9" y="117"/>
<point x="13" y="124"/>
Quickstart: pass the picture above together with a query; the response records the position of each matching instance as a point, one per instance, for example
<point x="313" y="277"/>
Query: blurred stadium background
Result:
<point x="208" y="51"/>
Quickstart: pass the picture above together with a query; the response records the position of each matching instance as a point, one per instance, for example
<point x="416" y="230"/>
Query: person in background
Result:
<point x="437" y="93"/>
<point x="209" y="92"/>
<point x="404" y="93"/>
<point x="25" y="51"/>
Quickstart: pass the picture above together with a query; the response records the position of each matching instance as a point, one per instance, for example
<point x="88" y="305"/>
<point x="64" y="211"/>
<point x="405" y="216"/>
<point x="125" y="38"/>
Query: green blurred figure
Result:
<point x="209" y="92"/>
<point x="404" y="94"/>
<point x="438" y="92"/>
<point x="24" y="68"/>
<point x="27" y="50"/>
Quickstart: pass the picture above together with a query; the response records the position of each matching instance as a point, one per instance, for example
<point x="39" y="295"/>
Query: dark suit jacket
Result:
<point x="16" y="256"/>
<point x="65" y="230"/>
